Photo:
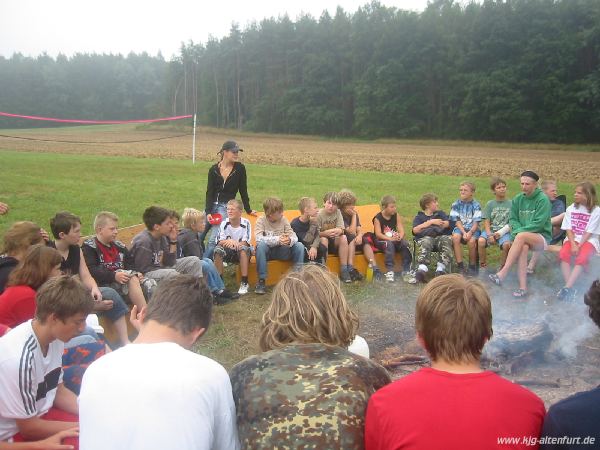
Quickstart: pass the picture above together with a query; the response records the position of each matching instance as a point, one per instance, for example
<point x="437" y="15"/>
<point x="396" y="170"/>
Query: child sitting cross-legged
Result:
<point x="233" y="242"/>
<point x="466" y="215"/>
<point x="431" y="230"/>
<point x="582" y="224"/>
<point x="389" y="237"/>
<point x="275" y="239"/>
<point x="496" y="229"/>
<point x="306" y="228"/>
<point x="331" y="230"/>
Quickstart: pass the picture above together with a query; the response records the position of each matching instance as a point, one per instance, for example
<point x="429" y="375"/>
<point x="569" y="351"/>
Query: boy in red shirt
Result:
<point x="453" y="404"/>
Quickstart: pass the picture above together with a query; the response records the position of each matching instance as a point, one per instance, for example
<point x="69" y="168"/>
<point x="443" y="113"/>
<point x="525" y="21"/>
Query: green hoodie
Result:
<point x="532" y="214"/>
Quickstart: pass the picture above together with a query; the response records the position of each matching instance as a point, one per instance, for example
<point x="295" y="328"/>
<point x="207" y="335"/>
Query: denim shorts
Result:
<point x="504" y="238"/>
<point x="475" y="235"/>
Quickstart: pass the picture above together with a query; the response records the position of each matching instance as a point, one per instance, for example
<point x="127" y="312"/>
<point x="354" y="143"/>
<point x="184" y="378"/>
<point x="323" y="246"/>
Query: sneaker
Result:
<point x="260" y="288"/>
<point x="243" y="290"/>
<point x="355" y="275"/>
<point x="228" y="294"/>
<point x="220" y="299"/>
<point x="439" y="273"/>
<point x="408" y="276"/>
<point x="389" y="276"/>
<point x="377" y="274"/>
<point x="345" y="276"/>
<point x="420" y="276"/>
<point x="495" y="279"/>
<point x="563" y="293"/>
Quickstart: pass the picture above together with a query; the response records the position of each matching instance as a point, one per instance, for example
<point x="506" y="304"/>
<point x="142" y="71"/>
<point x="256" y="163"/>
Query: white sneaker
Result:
<point x="389" y="276"/>
<point x="243" y="288"/>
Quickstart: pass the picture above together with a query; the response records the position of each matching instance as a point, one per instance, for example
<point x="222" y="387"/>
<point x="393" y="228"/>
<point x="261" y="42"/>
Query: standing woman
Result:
<point x="225" y="179"/>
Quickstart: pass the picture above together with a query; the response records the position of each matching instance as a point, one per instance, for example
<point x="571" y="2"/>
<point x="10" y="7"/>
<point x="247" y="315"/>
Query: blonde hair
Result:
<point x="547" y="183"/>
<point x="469" y="184"/>
<point x="308" y="306"/>
<point x="346" y="198"/>
<point x="387" y="200"/>
<point x="20" y="236"/>
<point x="272" y="205"/>
<point x="103" y="217"/>
<point x="332" y="197"/>
<point x="304" y="203"/>
<point x="454" y="318"/>
<point x="235" y="202"/>
<point x="191" y="217"/>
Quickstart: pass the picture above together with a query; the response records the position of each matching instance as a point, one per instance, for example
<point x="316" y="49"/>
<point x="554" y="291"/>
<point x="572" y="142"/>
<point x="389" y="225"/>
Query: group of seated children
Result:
<point x="305" y="387"/>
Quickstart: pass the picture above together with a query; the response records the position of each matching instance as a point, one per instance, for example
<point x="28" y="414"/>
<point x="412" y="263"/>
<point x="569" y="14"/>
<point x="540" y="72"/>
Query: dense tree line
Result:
<point x="510" y="70"/>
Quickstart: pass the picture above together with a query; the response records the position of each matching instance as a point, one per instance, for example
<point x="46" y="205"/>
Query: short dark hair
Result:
<point x="155" y="215"/>
<point x="592" y="300"/>
<point x="426" y="199"/>
<point x="62" y="222"/>
<point x="63" y="296"/>
<point x="495" y="182"/>
<point x="181" y="302"/>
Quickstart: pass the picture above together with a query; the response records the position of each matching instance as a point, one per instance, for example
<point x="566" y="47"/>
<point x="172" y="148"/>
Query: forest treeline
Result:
<point x="504" y="70"/>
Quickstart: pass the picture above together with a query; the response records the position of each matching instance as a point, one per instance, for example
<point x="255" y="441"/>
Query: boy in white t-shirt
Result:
<point x="233" y="242"/>
<point x="155" y="393"/>
<point x="34" y="404"/>
<point x="582" y="224"/>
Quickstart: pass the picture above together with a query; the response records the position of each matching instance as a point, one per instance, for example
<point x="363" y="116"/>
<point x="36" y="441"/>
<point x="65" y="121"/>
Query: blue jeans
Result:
<point x="265" y="253"/>
<point x="119" y="308"/>
<point x="211" y="275"/>
<point x="220" y="208"/>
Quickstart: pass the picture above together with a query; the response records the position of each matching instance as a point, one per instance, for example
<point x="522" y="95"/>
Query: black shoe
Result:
<point x="228" y="294"/>
<point x="260" y="288"/>
<point x="355" y="275"/>
<point x="220" y="300"/>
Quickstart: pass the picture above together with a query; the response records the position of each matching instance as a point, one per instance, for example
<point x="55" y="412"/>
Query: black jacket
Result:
<point x="219" y="190"/>
<point x="95" y="262"/>
<point x="7" y="265"/>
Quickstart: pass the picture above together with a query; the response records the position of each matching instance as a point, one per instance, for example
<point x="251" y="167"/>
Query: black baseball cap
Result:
<point x="231" y="146"/>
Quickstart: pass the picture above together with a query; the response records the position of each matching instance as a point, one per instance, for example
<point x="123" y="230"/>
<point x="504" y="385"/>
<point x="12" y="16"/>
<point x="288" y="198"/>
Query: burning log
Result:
<point x="404" y="360"/>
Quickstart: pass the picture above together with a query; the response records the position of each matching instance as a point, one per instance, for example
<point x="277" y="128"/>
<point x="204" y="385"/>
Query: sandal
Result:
<point x="520" y="293"/>
<point x="530" y="271"/>
<point x="495" y="279"/>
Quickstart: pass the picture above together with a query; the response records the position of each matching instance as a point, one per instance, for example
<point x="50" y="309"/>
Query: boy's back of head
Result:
<point x="63" y="222"/>
<point x="181" y="302"/>
<point x="454" y="318"/>
<point x="426" y="200"/>
<point x="272" y="205"/>
<point x="64" y="296"/>
<point x="592" y="300"/>
<point x="155" y="215"/>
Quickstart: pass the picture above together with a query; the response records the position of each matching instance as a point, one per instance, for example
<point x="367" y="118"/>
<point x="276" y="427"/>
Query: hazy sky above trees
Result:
<point x="32" y="27"/>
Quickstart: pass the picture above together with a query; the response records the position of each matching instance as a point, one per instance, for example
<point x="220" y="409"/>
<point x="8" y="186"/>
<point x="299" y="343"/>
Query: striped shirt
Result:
<point x="29" y="379"/>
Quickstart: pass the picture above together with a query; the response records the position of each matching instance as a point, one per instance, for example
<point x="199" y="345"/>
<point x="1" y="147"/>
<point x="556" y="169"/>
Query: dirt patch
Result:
<point x="474" y="161"/>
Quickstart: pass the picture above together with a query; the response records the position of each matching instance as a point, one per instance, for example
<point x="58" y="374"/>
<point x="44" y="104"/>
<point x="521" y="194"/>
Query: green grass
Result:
<point x="37" y="185"/>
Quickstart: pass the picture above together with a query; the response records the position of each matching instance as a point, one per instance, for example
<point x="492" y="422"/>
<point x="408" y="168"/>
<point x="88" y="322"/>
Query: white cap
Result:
<point x="359" y="347"/>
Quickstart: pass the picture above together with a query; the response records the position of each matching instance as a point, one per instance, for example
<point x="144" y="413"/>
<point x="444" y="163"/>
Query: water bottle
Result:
<point x="370" y="271"/>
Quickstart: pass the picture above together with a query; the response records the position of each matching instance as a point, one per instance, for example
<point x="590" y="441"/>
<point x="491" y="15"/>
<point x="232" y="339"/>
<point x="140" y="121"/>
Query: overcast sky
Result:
<point x="121" y="26"/>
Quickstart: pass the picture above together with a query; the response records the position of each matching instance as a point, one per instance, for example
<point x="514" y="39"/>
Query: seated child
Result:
<point x="188" y="245"/>
<point x="557" y="215"/>
<point x="109" y="260"/>
<point x="454" y="404"/>
<point x="431" y="230"/>
<point x="305" y="227"/>
<point x="66" y="229"/>
<point x="18" y="239"/>
<point x="496" y="229"/>
<point x="389" y="237"/>
<point x="154" y="250"/>
<point x="41" y="405"/>
<point x="355" y="235"/>
<point x="275" y="239"/>
<point x="466" y="215"/>
<point x="582" y="225"/>
<point x="233" y="242"/>
<point x="331" y="230"/>
<point x="17" y="302"/>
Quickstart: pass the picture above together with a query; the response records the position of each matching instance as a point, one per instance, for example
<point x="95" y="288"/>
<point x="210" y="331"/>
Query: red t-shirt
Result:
<point x="430" y="409"/>
<point x="17" y="305"/>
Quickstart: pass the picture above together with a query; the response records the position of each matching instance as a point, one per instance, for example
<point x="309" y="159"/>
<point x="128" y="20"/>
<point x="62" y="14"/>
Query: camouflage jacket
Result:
<point x="305" y="396"/>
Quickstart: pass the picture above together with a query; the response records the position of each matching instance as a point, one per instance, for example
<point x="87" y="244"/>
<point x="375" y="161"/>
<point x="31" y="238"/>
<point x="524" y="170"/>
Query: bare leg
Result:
<point x="218" y="260"/>
<point x="457" y="247"/>
<point x="135" y="293"/>
<point x="121" y="329"/>
<point x="531" y="240"/>
<point x="522" y="273"/>
<point x="342" y="243"/>
<point x="472" y="244"/>
<point x="244" y="261"/>
<point x="482" y="251"/>
<point x="351" y="252"/>
<point x="565" y="268"/>
<point x="505" y="250"/>
<point x="574" y="275"/>
<point x="368" y="253"/>
<point x="533" y="262"/>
